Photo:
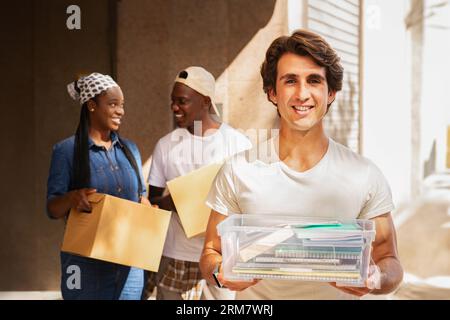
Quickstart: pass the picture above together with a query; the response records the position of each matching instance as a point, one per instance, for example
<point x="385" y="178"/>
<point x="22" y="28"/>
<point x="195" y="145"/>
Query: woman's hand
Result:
<point x="79" y="199"/>
<point x="145" y="201"/>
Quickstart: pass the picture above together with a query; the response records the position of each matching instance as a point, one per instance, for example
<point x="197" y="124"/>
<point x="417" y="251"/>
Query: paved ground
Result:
<point x="423" y="231"/>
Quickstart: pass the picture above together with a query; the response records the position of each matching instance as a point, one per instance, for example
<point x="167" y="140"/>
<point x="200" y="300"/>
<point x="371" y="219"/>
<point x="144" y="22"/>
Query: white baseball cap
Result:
<point x="200" y="80"/>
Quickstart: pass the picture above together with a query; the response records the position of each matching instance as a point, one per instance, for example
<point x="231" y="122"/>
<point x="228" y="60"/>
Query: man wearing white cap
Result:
<point x="199" y="140"/>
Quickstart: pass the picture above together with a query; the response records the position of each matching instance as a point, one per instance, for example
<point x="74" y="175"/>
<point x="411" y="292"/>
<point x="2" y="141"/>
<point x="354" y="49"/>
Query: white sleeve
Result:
<point x="157" y="176"/>
<point x="379" y="197"/>
<point x="222" y="195"/>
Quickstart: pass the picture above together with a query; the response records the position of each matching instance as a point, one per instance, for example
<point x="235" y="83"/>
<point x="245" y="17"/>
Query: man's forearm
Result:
<point x="208" y="262"/>
<point x="391" y="275"/>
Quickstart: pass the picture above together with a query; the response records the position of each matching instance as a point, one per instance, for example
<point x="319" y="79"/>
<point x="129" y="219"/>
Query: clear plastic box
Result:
<point x="296" y="248"/>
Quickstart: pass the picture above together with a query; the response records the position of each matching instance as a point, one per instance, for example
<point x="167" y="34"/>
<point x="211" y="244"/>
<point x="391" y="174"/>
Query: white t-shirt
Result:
<point x="341" y="185"/>
<point x="179" y="153"/>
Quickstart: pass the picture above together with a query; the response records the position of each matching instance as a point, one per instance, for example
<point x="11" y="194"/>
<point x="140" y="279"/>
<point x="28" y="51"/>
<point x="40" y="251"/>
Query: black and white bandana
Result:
<point x="90" y="86"/>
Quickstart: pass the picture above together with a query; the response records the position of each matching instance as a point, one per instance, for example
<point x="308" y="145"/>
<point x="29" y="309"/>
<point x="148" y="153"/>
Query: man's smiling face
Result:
<point x="302" y="93"/>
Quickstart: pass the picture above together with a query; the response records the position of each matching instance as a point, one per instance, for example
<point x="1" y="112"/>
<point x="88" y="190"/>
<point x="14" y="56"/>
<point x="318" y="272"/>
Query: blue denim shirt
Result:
<point x="111" y="173"/>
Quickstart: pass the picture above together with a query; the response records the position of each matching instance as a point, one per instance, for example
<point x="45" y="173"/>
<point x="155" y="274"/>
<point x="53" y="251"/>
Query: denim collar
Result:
<point x="114" y="140"/>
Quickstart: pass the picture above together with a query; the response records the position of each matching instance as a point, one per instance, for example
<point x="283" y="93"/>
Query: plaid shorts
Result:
<point x="183" y="277"/>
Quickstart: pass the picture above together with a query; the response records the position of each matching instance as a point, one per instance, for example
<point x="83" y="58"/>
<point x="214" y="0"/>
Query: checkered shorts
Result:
<point x="183" y="277"/>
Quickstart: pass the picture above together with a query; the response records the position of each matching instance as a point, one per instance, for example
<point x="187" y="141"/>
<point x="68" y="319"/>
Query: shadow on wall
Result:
<point x="244" y="24"/>
<point x="239" y="87"/>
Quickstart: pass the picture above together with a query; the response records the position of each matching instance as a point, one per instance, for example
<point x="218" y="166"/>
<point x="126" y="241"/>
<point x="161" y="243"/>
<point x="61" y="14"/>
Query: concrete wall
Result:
<point x="156" y="39"/>
<point x="42" y="56"/>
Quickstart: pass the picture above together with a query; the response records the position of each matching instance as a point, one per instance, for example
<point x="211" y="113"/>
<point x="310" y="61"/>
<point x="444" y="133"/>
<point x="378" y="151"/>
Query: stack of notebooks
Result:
<point x="301" y="249"/>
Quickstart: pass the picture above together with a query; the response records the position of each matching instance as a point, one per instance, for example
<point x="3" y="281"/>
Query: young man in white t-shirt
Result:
<point x="199" y="140"/>
<point x="302" y="172"/>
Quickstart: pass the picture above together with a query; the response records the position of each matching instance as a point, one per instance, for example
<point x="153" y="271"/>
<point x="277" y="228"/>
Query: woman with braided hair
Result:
<point x="96" y="159"/>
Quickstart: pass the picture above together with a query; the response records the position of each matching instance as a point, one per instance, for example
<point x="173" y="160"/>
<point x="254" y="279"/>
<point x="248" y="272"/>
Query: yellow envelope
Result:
<point x="119" y="231"/>
<point x="189" y="194"/>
